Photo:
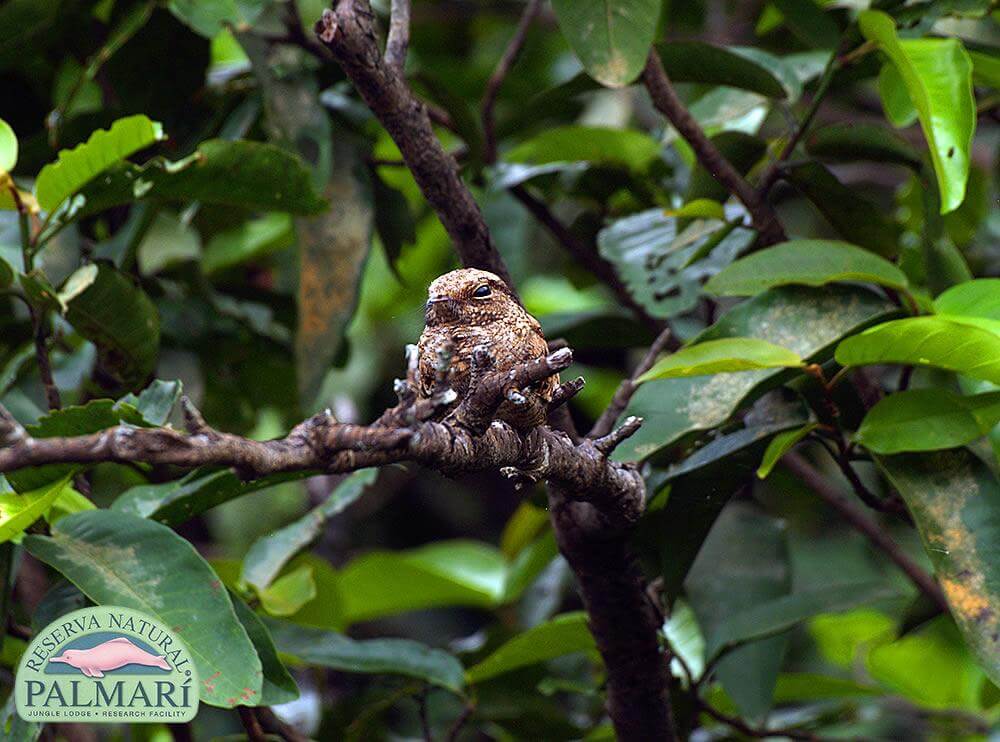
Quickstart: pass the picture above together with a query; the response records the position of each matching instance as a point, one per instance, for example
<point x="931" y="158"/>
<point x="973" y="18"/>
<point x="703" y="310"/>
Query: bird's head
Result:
<point x="469" y="296"/>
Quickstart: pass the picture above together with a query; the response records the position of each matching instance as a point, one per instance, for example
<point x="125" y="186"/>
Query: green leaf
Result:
<point x="806" y="321"/>
<point x="948" y="678"/>
<point x="985" y="68"/>
<point x="565" y="634"/>
<point x="17" y="512"/>
<point x="854" y="217"/>
<point x="156" y="401"/>
<point x="277" y="686"/>
<point x="249" y="241"/>
<point x="269" y="554"/>
<point x="78" y="166"/>
<point x="861" y="141"/>
<point x="808" y="262"/>
<point x="12" y="366"/>
<point x="250" y="175"/>
<point x="175" y="502"/>
<point x="372" y="656"/>
<point x="809" y="23"/>
<point x="776" y="616"/>
<point x="699" y="208"/>
<point x="118" y="559"/>
<point x="725" y="355"/>
<point x="287" y="594"/>
<point x="625" y="148"/>
<point x="696" y="61"/>
<point x="977" y="298"/>
<point x="719" y="585"/>
<point x="209" y="17"/>
<point x="384" y="583"/>
<point x="8" y="147"/>
<point x="121" y="320"/>
<point x="955" y="500"/>
<point x="662" y="269"/>
<point x="842" y="638"/>
<point x="168" y="242"/>
<point x="937" y="74"/>
<point x="742" y="150"/>
<point x="612" y="38"/>
<point x="896" y="103"/>
<point x="927" y="341"/>
<point x="781" y="444"/>
<point x="927" y="420"/>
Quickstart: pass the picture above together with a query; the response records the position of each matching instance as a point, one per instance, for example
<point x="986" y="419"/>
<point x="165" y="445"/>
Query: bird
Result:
<point x="470" y="308"/>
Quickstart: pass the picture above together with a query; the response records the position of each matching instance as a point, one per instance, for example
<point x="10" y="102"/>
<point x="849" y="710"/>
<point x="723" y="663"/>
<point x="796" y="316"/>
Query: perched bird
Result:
<point x="468" y="308"/>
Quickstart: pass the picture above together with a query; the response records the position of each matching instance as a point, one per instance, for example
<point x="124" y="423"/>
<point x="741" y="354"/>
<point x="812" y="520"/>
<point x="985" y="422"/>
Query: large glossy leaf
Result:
<point x="17" y="512"/>
<point x="861" y="141"/>
<point x="120" y="559"/>
<point x="209" y="17"/>
<point x="626" y="148"/>
<point x="564" y="634"/>
<point x="977" y="298"/>
<point x="177" y="501"/>
<point x="927" y="420"/>
<point x="76" y="167"/>
<point x="719" y="585"/>
<point x="277" y="685"/>
<point x="121" y="320"/>
<point x="808" y="262"/>
<point x="696" y="61"/>
<point x="779" y="615"/>
<point x="855" y="218"/>
<point x="442" y="573"/>
<point x="927" y="341"/>
<point x="806" y="321"/>
<point x="249" y="241"/>
<point x="611" y="37"/>
<point x="662" y="269"/>
<point x="269" y="554"/>
<point x="251" y="175"/>
<point x="8" y="147"/>
<point x="955" y="500"/>
<point x="724" y="355"/>
<point x="371" y="656"/>
<point x="937" y="74"/>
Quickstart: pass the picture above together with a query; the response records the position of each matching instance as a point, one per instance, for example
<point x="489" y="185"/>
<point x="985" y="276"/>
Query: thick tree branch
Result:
<point x="667" y="102"/>
<point x="348" y="32"/>
<point x="859" y="520"/>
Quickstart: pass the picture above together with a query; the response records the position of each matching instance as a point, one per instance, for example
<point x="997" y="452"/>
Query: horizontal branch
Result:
<point x="401" y="434"/>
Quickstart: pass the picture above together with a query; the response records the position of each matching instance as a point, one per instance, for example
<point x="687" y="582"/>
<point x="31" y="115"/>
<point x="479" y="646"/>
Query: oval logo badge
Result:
<point x="107" y="664"/>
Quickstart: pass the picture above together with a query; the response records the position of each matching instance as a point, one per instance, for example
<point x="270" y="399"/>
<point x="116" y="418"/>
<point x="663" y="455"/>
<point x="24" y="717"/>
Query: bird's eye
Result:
<point x="482" y="292"/>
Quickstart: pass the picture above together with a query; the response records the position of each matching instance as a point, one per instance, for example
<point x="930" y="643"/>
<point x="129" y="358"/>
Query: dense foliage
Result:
<point x="195" y="199"/>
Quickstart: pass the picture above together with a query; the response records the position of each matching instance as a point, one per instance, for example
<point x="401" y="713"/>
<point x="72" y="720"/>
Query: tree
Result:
<point x="781" y="307"/>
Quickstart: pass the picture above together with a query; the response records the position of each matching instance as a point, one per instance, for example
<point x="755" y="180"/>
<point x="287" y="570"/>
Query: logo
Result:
<point x="107" y="664"/>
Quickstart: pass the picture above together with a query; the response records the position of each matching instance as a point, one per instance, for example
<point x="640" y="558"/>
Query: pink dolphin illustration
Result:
<point x="110" y="655"/>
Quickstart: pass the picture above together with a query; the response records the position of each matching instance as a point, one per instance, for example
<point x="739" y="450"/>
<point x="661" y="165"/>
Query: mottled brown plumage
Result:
<point x="468" y="308"/>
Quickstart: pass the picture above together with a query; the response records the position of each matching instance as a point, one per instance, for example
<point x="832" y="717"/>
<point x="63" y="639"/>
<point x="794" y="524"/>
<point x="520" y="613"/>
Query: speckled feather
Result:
<point x="456" y="315"/>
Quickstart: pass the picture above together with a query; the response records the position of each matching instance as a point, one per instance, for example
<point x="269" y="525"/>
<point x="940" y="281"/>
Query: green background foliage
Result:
<point x="193" y="198"/>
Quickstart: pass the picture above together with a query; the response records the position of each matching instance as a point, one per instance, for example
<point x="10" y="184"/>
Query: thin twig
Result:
<point x="425" y="722"/>
<point x="460" y="721"/>
<point x="398" y="39"/>
<point x="871" y="530"/>
<point x="251" y="724"/>
<point x="667" y="102"/>
<point x="628" y="386"/>
<point x="587" y="257"/>
<point x="500" y="73"/>
<point x="757" y="733"/>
